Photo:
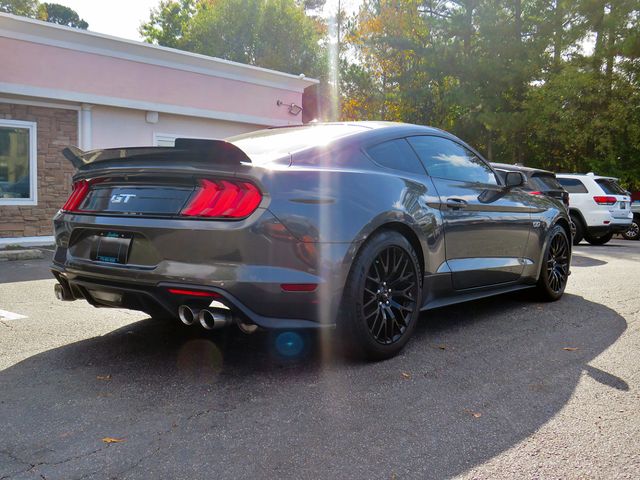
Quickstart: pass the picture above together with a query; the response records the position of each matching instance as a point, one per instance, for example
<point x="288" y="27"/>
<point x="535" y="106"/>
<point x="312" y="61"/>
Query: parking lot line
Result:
<point x="5" y="315"/>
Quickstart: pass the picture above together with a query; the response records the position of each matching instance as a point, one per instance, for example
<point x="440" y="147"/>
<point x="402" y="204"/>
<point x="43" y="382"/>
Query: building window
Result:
<point x="18" y="163"/>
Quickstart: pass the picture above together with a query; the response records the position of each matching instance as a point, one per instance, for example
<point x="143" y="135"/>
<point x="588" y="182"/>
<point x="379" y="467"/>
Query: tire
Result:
<point x="579" y="235"/>
<point x="381" y="301"/>
<point x="601" y="240"/>
<point x="554" y="272"/>
<point x="633" y="233"/>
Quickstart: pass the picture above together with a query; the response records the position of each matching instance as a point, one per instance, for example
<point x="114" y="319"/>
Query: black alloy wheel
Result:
<point x="555" y="268"/>
<point x="382" y="297"/>
<point x="389" y="296"/>
<point x="633" y="232"/>
<point x="558" y="263"/>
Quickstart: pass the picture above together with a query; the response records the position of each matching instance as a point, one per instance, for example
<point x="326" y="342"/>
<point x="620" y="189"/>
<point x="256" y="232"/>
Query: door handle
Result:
<point x="456" y="203"/>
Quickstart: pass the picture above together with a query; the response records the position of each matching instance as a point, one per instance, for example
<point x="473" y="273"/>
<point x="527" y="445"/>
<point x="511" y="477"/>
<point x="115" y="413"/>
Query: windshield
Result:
<point x="610" y="186"/>
<point x="267" y="145"/>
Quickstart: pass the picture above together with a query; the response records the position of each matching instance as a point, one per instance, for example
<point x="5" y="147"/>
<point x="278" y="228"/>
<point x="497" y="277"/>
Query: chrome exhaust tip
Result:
<point x="187" y="315"/>
<point x="215" y="318"/>
<point x="63" y="294"/>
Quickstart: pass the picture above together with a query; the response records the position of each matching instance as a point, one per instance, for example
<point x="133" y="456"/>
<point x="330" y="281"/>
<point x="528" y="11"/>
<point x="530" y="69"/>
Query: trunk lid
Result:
<point x="162" y="181"/>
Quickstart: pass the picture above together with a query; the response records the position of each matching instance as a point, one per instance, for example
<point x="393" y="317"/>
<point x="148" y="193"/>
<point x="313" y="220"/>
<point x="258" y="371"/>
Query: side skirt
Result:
<point x="475" y="295"/>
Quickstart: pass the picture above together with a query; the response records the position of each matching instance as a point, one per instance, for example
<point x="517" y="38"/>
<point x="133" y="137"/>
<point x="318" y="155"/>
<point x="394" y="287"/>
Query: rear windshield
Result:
<point x="610" y="187"/>
<point x="572" y="185"/>
<point x="267" y="145"/>
<point x="545" y="182"/>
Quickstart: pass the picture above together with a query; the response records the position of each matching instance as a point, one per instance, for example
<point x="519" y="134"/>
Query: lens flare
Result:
<point x="289" y="344"/>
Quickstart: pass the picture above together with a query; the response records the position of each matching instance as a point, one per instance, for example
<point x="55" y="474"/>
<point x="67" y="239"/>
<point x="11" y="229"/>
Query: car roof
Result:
<point x="329" y="134"/>
<point x="519" y="168"/>
<point x="588" y="175"/>
<point x="373" y="127"/>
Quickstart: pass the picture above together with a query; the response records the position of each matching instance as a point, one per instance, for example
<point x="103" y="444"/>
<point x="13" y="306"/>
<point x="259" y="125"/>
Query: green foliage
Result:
<point x="510" y="76"/>
<point x="273" y="34"/>
<point x="25" y="8"/>
<point x="169" y="23"/>
<point x="56" y="13"/>
<point x="48" y="12"/>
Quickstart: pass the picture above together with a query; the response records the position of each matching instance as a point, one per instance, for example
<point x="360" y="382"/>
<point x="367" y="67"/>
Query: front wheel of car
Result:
<point x="633" y="232"/>
<point x="555" y="265"/>
<point x="381" y="301"/>
<point x="601" y="240"/>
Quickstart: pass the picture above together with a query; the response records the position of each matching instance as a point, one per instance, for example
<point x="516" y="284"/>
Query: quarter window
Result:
<point x="444" y="158"/>
<point x="396" y="154"/>
<point x="610" y="187"/>
<point x="572" y="185"/>
<point x="18" y="163"/>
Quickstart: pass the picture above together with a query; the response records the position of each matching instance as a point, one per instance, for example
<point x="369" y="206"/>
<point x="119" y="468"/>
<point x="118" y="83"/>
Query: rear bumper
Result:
<point x="244" y="262"/>
<point x="101" y="293"/>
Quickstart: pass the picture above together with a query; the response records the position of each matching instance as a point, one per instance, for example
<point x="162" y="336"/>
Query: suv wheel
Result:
<point x="601" y="240"/>
<point x="555" y="266"/>
<point x="381" y="302"/>
<point x="579" y="233"/>
<point x="633" y="232"/>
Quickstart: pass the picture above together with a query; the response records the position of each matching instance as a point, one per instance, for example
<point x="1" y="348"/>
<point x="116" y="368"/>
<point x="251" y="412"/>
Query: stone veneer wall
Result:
<point x="56" y="128"/>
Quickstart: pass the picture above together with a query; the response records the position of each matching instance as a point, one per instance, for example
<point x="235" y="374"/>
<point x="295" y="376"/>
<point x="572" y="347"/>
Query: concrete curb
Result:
<point x="7" y="255"/>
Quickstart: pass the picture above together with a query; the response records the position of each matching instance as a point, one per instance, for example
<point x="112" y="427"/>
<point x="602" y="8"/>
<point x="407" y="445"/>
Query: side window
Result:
<point x="396" y="154"/>
<point x="444" y="158"/>
<point x="572" y="185"/>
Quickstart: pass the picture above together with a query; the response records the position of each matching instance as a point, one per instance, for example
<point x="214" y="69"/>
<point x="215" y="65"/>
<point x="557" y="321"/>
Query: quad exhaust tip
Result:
<point x="187" y="315"/>
<point x="63" y="294"/>
<point x="215" y="318"/>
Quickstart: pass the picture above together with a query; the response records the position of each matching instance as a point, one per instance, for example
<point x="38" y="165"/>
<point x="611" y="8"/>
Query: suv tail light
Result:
<point x="535" y="192"/>
<point x="78" y="194"/>
<point x="605" y="200"/>
<point x="223" y="199"/>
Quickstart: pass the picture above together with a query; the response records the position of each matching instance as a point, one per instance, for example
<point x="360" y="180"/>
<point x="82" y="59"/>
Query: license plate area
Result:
<point x="111" y="247"/>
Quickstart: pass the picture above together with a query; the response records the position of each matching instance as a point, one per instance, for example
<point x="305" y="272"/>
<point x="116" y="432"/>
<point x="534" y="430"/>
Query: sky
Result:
<point x="120" y="18"/>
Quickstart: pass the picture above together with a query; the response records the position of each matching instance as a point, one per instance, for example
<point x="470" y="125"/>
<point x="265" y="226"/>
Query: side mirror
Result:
<point x="513" y="179"/>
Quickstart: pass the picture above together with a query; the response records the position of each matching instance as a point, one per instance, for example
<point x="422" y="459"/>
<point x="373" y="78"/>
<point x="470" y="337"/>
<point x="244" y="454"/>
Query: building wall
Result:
<point x="65" y="74"/>
<point x="118" y="127"/>
<point x="56" y="128"/>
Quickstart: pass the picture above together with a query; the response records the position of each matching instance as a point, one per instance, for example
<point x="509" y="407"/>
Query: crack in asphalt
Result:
<point x="33" y="466"/>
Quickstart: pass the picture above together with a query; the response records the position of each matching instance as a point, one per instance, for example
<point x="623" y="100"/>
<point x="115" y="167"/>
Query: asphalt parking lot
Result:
<point x="499" y="388"/>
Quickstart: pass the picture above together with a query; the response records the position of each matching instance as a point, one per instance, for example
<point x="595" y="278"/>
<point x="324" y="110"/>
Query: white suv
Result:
<point x="598" y="206"/>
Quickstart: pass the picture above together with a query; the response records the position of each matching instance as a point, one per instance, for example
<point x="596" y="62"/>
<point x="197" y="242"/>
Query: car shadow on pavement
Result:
<point x="477" y="379"/>
<point x="582" y="261"/>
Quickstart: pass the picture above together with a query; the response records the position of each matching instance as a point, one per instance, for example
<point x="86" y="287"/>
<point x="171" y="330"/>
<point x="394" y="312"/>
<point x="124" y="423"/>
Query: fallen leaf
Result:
<point x="112" y="440"/>
<point x="406" y="375"/>
<point x="570" y="349"/>
<point x="442" y="347"/>
<point x="104" y="377"/>
<point x="472" y="413"/>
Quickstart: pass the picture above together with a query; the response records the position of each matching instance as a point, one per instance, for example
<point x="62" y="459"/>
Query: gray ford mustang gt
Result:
<point x="357" y="226"/>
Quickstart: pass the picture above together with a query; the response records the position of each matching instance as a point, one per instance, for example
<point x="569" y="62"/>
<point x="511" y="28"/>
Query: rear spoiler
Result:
<point x="214" y="151"/>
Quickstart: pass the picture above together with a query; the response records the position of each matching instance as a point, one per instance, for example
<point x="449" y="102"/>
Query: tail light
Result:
<point x="78" y="194"/>
<point x="602" y="200"/>
<point x="223" y="199"/>
<point x="194" y="293"/>
<point x="535" y="193"/>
